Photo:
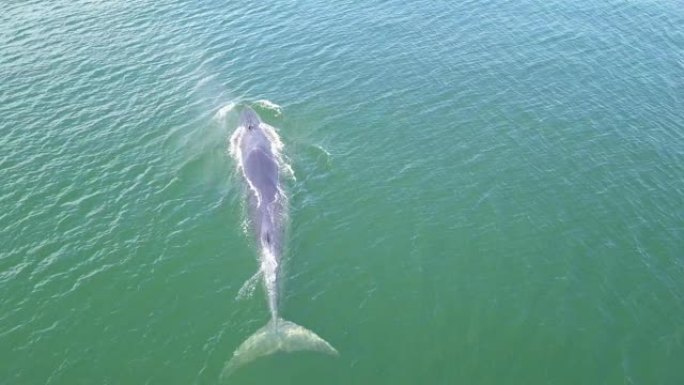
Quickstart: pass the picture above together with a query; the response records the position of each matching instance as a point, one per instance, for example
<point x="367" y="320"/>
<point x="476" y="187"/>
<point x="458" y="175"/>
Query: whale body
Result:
<point x="256" y="147"/>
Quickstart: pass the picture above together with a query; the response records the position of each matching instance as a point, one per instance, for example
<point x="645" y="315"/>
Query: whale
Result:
<point x="256" y="148"/>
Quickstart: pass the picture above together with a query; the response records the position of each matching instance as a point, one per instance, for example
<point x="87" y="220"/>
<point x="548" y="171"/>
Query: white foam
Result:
<point x="269" y="105"/>
<point x="223" y="111"/>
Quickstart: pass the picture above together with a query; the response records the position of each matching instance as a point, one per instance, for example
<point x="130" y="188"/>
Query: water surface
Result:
<point x="486" y="192"/>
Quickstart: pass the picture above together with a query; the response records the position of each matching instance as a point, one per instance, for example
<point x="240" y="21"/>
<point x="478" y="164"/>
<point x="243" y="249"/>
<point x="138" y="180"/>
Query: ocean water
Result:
<point x="484" y="192"/>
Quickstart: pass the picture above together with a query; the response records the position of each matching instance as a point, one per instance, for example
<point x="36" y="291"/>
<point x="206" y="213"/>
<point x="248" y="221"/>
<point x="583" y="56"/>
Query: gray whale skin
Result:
<point x="260" y="169"/>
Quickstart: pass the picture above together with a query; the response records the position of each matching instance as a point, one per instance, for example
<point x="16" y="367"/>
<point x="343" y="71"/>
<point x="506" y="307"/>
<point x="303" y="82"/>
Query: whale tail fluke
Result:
<point x="278" y="335"/>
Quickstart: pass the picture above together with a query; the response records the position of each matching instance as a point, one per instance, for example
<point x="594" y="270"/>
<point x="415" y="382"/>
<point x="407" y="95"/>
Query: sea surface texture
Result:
<point x="483" y="192"/>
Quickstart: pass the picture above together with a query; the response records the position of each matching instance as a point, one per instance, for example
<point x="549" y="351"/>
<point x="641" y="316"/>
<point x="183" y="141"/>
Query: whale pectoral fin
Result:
<point x="248" y="287"/>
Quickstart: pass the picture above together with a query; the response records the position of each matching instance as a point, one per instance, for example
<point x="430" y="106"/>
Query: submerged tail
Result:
<point x="277" y="335"/>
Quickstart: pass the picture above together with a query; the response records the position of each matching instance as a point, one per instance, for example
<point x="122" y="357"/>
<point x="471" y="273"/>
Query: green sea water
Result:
<point x="484" y="192"/>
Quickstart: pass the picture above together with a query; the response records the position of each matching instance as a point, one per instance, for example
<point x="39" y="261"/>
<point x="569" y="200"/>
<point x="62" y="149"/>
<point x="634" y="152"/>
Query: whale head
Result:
<point x="249" y="119"/>
<point x="253" y="135"/>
